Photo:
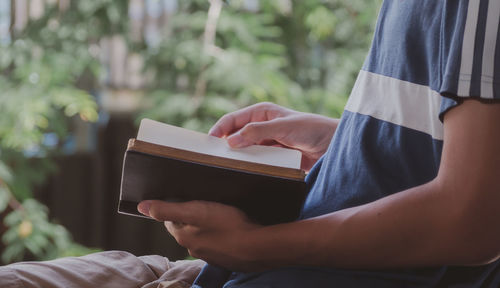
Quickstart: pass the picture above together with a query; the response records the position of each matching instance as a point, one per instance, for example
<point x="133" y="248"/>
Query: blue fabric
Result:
<point x="419" y="45"/>
<point x="211" y="276"/>
<point x="369" y="172"/>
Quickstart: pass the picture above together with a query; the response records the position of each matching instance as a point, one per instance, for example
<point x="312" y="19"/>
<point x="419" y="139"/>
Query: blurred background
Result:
<point x="76" y="76"/>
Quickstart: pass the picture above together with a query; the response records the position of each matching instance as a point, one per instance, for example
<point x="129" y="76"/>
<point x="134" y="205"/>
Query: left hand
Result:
<point x="273" y="125"/>
<point x="211" y="231"/>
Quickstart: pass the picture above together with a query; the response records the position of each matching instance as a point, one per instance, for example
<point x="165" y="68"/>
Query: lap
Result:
<point x="105" y="269"/>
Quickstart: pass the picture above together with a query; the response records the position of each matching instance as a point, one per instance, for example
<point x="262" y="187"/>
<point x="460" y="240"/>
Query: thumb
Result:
<point x="183" y="212"/>
<point x="256" y="132"/>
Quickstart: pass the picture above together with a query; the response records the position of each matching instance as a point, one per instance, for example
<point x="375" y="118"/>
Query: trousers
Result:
<point x="110" y="269"/>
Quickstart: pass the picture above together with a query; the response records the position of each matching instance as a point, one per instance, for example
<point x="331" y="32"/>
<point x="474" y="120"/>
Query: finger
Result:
<point x="175" y="227"/>
<point x="225" y="125"/>
<point x="269" y="142"/>
<point x="143" y="207"/>
<point x="234" y="121"/>
<point x="260" y="132"/>
<point x="186" y="212"/>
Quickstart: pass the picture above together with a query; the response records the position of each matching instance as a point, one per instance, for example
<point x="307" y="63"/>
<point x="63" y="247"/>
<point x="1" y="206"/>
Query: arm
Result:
<point x="454" y="219"/>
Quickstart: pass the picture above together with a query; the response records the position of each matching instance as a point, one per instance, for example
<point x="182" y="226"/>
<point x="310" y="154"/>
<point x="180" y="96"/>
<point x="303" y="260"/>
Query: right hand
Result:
<point x="270" y="124"/>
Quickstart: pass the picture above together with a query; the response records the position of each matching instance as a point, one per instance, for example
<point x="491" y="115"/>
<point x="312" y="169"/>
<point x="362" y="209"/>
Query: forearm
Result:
<point x="421" y="226"/>
<point x="454" y="219"/>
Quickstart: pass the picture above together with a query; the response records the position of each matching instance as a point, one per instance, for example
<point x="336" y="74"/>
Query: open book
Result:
<point x="175" y="164"/>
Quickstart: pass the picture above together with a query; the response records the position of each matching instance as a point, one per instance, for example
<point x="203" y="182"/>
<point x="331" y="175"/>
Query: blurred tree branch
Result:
<point x="209" y="48"/>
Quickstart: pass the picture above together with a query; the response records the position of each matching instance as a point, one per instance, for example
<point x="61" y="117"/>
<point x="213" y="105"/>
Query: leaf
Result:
<point x="40" y="239"/>
<point x="13" y="252"/>
<point x="13" y="219"/>
<point x="34" y="246"/>
<point x="5" y="174"/>
<point x="4" y="198"/>
<point x="35" y="208"/>
<point x="322" y="22"/>
<point x="44" y="227"/>
<point x="113" y="14"/>
<point x="89" y="114"/>
<point x="11" y="235"/>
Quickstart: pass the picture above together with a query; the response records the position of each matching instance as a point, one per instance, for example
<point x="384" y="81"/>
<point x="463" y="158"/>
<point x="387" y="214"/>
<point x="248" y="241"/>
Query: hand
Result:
<point x="270" y="124"/>
<point x="210" y="231"/>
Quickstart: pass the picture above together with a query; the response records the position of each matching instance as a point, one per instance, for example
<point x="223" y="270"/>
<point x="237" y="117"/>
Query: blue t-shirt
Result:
<point x="426" y="57"/>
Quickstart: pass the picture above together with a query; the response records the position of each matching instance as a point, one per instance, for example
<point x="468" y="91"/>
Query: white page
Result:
<point x="180" y="138"/>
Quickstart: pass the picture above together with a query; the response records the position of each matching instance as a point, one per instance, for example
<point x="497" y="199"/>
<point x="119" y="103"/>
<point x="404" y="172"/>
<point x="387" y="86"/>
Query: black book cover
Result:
<point x="266" y="199"/>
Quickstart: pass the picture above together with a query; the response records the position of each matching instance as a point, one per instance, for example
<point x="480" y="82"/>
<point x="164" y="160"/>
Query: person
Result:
<point x="403" y="189"/>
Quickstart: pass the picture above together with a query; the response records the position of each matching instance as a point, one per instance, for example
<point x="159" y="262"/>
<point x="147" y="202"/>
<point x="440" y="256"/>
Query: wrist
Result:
<point x="268" y="247"/>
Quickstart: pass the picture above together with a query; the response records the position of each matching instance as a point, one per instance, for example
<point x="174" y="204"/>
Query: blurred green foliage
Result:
<point x="300" y="54"/>
<point x="31" y="231"/>
<point x="47" y="72"/>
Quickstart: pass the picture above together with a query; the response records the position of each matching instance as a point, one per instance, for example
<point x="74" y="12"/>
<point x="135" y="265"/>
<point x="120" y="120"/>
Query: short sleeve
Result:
<point x="470" y="52"/>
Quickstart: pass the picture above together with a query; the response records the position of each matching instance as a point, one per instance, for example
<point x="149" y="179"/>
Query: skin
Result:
<point x="452" y="220"/>
<point x="270" y="124"/>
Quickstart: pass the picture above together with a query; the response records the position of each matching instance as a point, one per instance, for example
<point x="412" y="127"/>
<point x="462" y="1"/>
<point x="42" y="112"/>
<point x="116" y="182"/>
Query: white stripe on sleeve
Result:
<point x="398" y="102"/>
<point x="468" y="48"/>
<point x="490" y="42"/>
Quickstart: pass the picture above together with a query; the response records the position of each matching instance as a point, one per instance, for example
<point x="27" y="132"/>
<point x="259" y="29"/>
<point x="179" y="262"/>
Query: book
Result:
<point x="171" y="163"/>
